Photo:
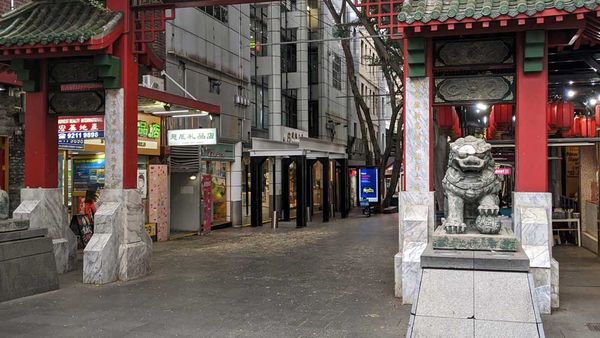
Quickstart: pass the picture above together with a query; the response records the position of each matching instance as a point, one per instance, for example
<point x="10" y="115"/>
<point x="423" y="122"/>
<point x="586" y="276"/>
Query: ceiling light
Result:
<point x="593" y="102"/>
<point x="571" y="82"/>
<point x="514" y="118"/>
<point x="193" y="177"/>
<point x="170" y="112"/>
<point x="570" y="93"/>
<point x="481" y="106"/>
<point x="191" y="115"/>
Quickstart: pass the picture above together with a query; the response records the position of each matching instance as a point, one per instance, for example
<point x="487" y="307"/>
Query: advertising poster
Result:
<point x="207" y="203"/>
<point x="88" y="174"/>
<point x="142" y="182"/>
<point x="367" y="184"/>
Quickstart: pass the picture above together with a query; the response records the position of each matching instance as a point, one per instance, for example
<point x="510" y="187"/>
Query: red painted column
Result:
<point x="129" y="82"/>
<point x="531" y="138"/>
<point x="41" y="137"/>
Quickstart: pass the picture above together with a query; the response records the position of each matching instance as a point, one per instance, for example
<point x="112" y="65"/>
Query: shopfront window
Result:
<point x="219" y="172"/>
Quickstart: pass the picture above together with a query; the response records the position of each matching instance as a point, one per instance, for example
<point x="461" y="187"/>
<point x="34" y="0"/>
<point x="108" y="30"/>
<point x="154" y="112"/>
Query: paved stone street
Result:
<point x="326" y="280"/>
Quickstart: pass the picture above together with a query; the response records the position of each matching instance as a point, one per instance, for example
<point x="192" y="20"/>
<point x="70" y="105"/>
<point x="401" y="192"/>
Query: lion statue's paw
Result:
<point x="454" y="227"/>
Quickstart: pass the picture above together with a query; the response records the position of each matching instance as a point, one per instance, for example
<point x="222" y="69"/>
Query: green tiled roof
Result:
<point x="53" y="22"/>
<point x="441" y="10"/>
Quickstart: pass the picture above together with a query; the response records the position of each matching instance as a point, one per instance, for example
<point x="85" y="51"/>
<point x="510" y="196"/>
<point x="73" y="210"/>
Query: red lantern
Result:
<point x="456" y="130"/>
<point x="445" y="117"/>
<point x="551" y="116"/>
<point x="597" y="115"/>
<point x="563" y="115"/>
<point x="588" y="127"/>
<point x="503" y="115"/>
<point x="576" y="130"/>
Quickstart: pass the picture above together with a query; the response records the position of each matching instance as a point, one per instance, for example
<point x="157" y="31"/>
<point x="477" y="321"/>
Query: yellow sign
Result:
<point x="148" y="137"/>
<point x="150" y="229"/>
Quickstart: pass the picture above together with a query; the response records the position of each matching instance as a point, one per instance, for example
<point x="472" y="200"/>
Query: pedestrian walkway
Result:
<point x="579" y="315"/>
<point x="325" y="280"/>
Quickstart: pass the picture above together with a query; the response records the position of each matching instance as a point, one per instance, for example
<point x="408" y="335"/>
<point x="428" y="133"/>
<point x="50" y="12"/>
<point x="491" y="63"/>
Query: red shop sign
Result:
<point x="81" y="123"/>
<point x="503" y="171"/>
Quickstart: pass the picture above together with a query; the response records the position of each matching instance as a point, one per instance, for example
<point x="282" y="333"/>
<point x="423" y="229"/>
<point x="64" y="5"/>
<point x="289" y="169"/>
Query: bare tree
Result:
<point x="390" y="60"/>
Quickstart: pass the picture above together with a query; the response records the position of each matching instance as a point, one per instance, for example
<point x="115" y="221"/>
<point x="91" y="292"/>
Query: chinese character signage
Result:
<point x="148" y="134"/>
<point x="73" y="130"/>
<point x="368" y="184"/>
<point x="192" y="137"/>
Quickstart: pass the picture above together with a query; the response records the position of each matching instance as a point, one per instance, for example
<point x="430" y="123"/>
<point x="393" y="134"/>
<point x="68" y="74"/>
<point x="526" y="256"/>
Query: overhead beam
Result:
<point x="592" y="63"/>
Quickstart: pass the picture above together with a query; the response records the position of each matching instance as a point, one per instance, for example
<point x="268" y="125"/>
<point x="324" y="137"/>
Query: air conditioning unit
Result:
<point x="238" y="99"/>
<point x="153" y="82"/>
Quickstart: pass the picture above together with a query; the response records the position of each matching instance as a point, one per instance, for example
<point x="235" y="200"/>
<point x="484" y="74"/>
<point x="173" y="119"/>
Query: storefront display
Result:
<point x="88" y="173"/>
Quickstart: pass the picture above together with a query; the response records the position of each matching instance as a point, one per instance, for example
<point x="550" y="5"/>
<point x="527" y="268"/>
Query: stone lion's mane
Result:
<point x="457" y="182"/>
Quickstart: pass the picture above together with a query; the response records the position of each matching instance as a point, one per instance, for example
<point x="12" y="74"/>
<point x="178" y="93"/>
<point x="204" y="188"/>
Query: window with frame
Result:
<point x="259" y="102"/>
<point x="289" y="114"/>
<point x="336" y="72"/>
<point x="288" y="50"/>
<point x="214" y="85"/>
<point x="220" y="13"/>
<point x="313" y="65"/>
<point x="258" y="30"/>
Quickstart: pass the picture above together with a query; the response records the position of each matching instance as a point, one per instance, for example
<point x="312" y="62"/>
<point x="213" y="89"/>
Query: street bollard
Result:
<point x="274" y="221"/>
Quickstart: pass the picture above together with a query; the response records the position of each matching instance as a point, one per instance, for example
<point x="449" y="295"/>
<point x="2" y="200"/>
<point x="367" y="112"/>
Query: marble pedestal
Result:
<point x="44" y="209"/>
<point x="417" y="216"/>
<point x="120" y="248"/>
<point x="505" y="240"/>
<point x="474" y="303"/>
<point x="532" y="222"/>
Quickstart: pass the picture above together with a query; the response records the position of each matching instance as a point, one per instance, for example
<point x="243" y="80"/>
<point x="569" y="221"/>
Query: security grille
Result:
<point x="185" y="159"/>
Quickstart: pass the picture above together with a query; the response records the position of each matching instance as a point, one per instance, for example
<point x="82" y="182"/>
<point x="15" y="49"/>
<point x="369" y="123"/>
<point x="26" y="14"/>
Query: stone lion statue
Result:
<point x="471" y="188"/>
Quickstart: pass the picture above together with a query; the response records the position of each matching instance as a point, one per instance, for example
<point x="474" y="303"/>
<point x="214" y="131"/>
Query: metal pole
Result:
<point x="274" y="219"/>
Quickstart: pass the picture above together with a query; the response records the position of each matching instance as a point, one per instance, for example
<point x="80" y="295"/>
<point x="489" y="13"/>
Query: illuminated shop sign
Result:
<point x="192" y="137"/>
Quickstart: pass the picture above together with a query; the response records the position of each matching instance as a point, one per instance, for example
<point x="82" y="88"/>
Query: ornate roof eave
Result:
<point x="549" y="19"/>
<point x="103" y="37"/>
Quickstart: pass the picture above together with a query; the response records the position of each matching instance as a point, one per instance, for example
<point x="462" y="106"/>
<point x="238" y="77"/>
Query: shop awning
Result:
<point x="309" y="147"/>
<point x="57" y="27"/>
<point x="176" y="100"/>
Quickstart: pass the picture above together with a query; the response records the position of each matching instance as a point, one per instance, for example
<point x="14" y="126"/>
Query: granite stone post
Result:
<point x="532" y="219"/>
<point x="120" y="248"/>
<point x="416" y="211"/>
<point x="44" y="209"/>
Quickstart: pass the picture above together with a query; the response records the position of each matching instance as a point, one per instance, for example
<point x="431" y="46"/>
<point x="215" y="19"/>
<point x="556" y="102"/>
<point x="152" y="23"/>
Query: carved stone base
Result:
<point x="120" y="247"/>
<point x="44" y="209"/>
<point x="473" y="240"/>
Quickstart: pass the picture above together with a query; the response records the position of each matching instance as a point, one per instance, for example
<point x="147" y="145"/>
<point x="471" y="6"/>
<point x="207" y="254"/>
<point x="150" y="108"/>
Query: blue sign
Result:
<point x="71" y="144"/>
<point x="80" y="135"/>
<point x="368" y="184"/>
